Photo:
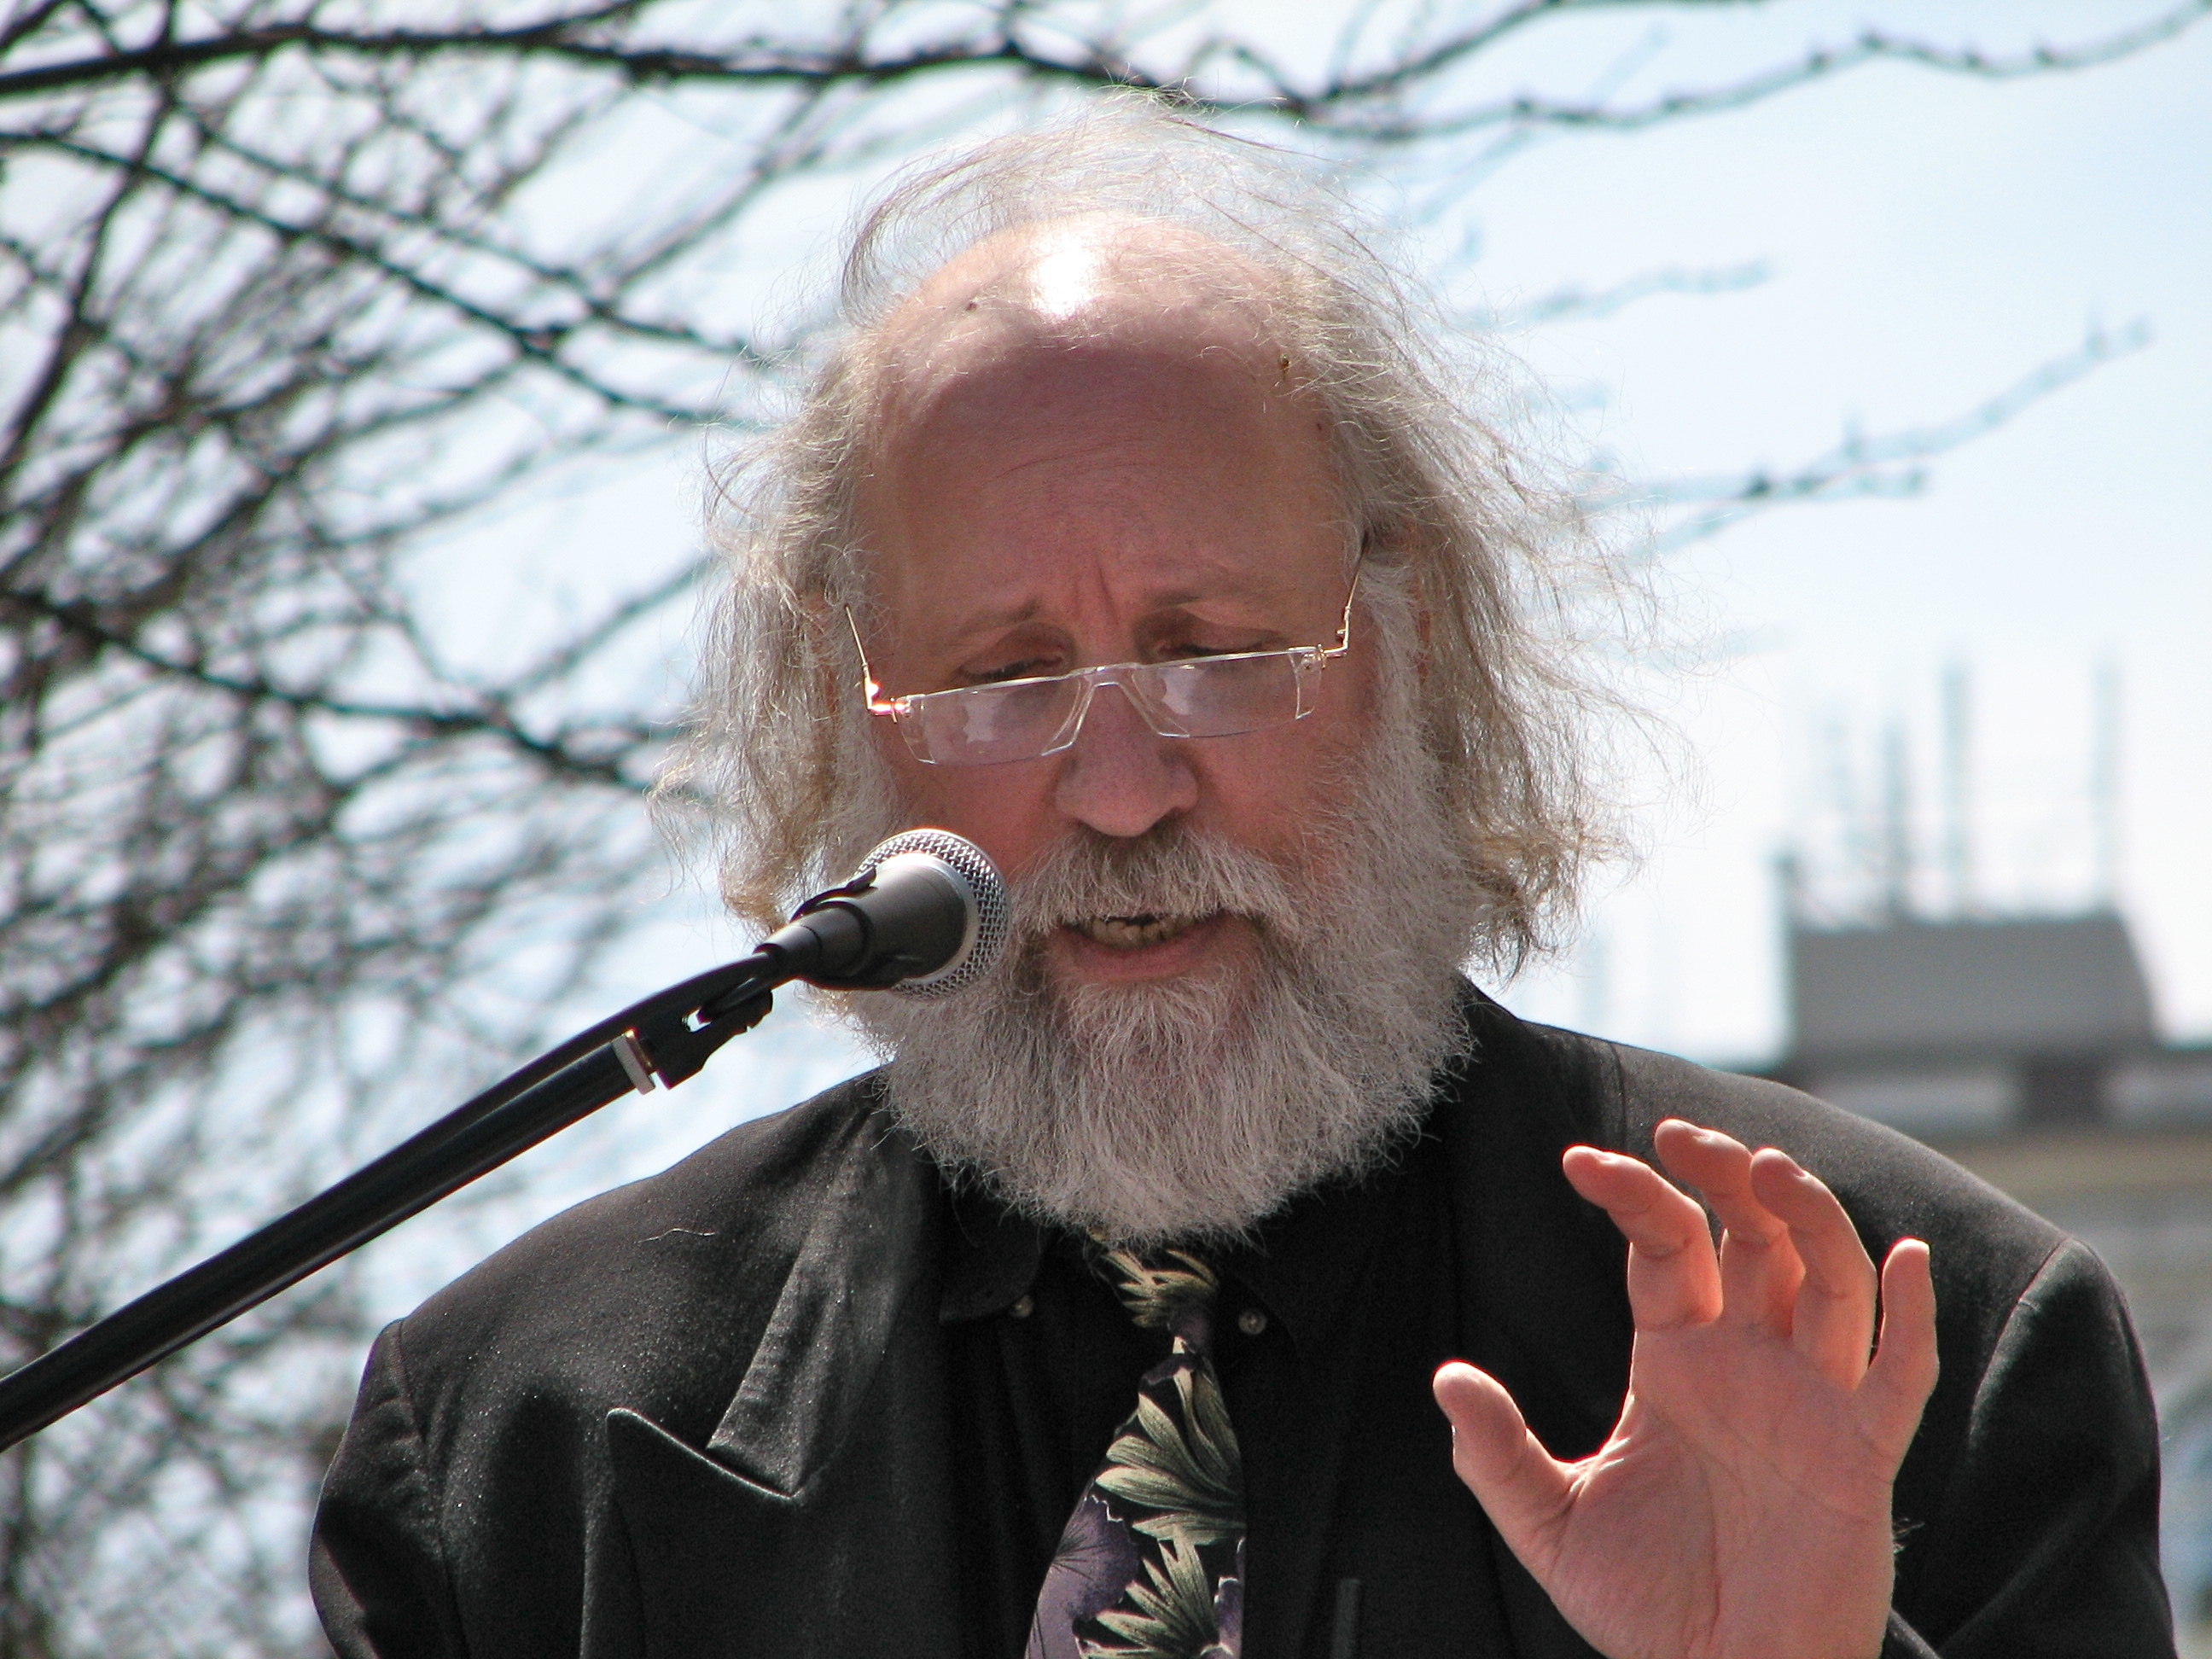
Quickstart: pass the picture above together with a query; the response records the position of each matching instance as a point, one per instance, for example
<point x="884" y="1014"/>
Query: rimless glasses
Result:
<point x="1023" y="720"/>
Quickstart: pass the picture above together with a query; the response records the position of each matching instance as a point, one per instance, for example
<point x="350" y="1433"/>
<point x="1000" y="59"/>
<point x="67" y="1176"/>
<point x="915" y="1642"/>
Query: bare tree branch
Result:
<point x="1417" y="71"/>
<point x="1580" y="304"/>
<point x="1891" y="465"/>
<point x="582" y="39"/>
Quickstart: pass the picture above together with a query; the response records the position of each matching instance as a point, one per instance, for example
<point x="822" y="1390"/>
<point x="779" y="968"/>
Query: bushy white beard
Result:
<point x="1191" y="1108"/>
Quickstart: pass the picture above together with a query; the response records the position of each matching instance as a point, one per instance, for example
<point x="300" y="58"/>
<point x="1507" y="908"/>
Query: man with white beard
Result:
<point x="1129" y="533"/>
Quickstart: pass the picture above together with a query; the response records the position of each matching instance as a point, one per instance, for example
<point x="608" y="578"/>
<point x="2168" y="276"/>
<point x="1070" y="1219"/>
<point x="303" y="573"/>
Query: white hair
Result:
<point x="1445" y="508"/>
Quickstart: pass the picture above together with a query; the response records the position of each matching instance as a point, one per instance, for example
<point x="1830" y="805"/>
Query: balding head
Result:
<point x="1091" y="320"/>
<point x="1086" y="279"/>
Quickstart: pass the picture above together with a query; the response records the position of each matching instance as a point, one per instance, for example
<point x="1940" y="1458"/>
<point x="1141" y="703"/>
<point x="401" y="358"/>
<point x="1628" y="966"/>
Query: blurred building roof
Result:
<point x="1910" y="989"/>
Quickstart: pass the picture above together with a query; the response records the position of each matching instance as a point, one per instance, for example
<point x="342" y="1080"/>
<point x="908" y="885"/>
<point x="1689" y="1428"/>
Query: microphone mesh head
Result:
<point x="990" y="912"/>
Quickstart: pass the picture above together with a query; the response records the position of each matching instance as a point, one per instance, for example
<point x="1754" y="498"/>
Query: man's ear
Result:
<point x="828" y="642"/>
<point x="1398" y="548"/>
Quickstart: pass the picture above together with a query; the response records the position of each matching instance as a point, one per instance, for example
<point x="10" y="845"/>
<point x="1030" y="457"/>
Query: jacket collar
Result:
<point x="990" y="1257"/>
<point x="1301" y="1266"/>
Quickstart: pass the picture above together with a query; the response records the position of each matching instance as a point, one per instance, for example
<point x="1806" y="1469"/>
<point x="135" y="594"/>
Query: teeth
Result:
<point x="1129" y="932"/>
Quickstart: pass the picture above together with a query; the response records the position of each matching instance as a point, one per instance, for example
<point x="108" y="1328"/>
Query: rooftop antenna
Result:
<point x="1897" y="829"/>
<point x="2105" y="782"/>
<point x="1958" y="787"/>
<point x="1789" y="882"/>
<point x="1856" y="852"/>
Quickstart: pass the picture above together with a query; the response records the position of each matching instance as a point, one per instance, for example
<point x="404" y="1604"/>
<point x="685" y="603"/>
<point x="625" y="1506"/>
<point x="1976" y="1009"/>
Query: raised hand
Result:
<point x="1741" y="1509"/>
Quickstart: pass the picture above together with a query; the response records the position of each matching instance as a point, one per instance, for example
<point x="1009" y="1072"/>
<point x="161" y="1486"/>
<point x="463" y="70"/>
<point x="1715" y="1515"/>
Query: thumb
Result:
<point x="1524" y="1491"/>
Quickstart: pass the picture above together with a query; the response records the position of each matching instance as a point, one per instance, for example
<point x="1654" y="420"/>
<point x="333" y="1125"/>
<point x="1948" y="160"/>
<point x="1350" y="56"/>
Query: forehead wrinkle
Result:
<point x="988" y="374"/>
<point x="1083" y="428"/>
<point x="999" y="404"/>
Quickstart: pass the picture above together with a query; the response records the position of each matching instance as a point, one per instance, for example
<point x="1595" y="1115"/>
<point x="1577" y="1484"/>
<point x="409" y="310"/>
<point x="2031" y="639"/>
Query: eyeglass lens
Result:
<point x="1205" y="697"/>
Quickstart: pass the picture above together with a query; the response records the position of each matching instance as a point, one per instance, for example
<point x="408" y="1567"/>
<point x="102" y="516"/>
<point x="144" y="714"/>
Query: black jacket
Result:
<point x="704" y="1415"/>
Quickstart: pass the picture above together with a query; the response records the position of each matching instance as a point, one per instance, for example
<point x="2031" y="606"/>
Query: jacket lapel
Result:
<point x="815" y="1519"/>
<point x="872" y="1239"/>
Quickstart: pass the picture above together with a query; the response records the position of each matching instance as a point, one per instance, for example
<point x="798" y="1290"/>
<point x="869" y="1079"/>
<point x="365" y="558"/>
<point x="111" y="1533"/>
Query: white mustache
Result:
<point x="1173" y="873"/>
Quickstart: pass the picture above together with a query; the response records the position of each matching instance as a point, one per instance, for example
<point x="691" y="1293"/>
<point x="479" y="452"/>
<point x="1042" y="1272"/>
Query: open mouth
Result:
<point x="1134" y="933"/>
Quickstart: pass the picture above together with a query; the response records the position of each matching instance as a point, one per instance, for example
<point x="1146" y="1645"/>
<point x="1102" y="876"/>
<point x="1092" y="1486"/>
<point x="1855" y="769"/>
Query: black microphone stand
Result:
<point x="668" y="1036"/>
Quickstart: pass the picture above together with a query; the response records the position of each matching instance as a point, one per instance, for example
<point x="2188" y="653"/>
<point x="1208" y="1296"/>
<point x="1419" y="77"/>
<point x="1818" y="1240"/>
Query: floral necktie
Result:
<point x="1151" y="1564"/>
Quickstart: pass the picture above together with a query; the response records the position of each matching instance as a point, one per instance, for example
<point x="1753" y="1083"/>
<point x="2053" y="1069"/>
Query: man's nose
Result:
<point x="1120" y="776"/>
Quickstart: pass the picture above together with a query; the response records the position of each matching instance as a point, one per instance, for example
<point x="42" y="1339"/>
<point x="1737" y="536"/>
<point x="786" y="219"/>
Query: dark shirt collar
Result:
<point x="1302" y="1268"/>
<point x="990" y="1257"/>
<point x="1305" y="1264"/>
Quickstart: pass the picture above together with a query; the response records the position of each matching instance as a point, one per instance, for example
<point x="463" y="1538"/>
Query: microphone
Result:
<point x="926" y="915"/>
